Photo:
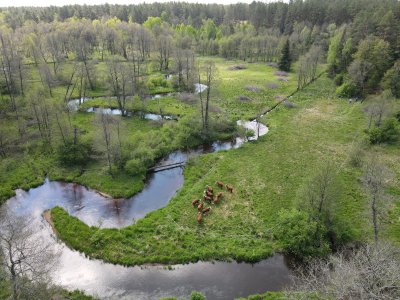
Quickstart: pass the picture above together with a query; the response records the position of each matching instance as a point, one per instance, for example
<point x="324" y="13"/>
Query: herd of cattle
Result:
<point x="209" y="197"/>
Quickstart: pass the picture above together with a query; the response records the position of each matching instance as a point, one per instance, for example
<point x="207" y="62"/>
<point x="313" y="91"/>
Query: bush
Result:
<point x="158" y="82"/>
<point x="197" y="296"/>
<point x="299" y="235"/>
<point x="347" y="90"/>
<point x="387" y="133"/>
<point x="397" y="116"/>
<point x="135" y="166"/>
<point x="338" y="79"/>
<point x="74" y="154"/>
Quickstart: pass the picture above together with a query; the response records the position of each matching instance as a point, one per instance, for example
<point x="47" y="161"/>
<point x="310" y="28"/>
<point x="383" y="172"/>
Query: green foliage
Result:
<point x="197" y="296"/>
<point x="135" y="166"/>
<point x="347" y="90"/>
<point x="299" y="234"/>
<point x="285" y="60"/>
<point x="266" y="296"/>
<point x="71" y="154"/>
<point x="157" y="82"/>
<point x="391" y="81"/>
<point x="388" y="132"/>
<point x="76" y="295"/>
<point x="374" y="55"/>
<point x="334" y="56"/>
<point x="339" y="79"/>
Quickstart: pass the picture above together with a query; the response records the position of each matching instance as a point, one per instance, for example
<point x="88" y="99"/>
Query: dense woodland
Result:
<point x="120" y="57"/>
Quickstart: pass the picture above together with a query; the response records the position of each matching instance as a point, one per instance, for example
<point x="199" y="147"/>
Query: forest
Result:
<point x="280" y="120"/>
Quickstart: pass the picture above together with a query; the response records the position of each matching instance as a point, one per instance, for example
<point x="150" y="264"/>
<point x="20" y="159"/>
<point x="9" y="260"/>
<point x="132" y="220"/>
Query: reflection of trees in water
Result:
<point x="74" y="194"/>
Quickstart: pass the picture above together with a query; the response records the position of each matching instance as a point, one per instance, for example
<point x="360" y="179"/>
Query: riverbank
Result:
<point x="266" y="175"/>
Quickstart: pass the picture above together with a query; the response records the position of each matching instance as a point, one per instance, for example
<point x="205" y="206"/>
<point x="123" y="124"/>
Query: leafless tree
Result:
<point x="359" y="71"/>
<point x="371" y="272"/>
<point x="307" y="67"/>
<point x="42" y="115"/>
<point x="27" y="258"/>
<point x="122" y="81"/>
<point x="105" y="119"/>
<point x="374" y="180"/>
<point x="209" y="71"/>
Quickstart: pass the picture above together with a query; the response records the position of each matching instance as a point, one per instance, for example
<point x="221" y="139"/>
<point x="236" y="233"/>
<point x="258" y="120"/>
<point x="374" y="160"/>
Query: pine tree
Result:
<point x="285" y="61"/>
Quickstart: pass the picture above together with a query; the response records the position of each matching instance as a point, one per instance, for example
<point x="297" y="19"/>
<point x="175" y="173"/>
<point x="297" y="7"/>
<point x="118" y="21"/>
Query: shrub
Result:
<point x="197" y="296"/>
<point x="387" y="133"/>
<point x="74" y="154"/>
<point x="135" y="166"/>
<point x="299" y="235"/>
<point x="397" y="116"/>
<point x="347" y="90"/>
<point x="338" y="79"/>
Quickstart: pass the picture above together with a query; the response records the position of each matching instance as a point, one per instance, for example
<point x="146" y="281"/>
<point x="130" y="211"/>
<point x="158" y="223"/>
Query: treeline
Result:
<point x="278" y="15"/>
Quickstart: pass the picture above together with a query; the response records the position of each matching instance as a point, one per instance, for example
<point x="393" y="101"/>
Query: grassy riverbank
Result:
<point x="267" y="176"/>
<point x="32" y="159"/>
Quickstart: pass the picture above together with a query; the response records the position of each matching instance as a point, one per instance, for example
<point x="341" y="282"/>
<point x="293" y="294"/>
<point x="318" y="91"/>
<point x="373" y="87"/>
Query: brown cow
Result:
<point x="199" y="217"/>
<point x="209" y="189"/>
<point x="229" y="188"/>
<point x="209" y="194"/>
<point x="216" y="199"/>
<point x="220" y="184"/>
<point x="200" y="207"/>
<point x="206" y="198"/>
<point x="206" y="210"/>
<point x="195" y="202"/>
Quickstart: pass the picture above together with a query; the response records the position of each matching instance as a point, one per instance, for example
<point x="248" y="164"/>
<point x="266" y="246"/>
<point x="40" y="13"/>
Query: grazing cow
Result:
<point x="199" y="217"/>
<point x="220" y="184"/>
<point x="195" y="202"/>
<point x="229" y="188"/>
<point x="216" y="199"/>
<point x="209" y="194"/>
<point x="209" y="189"/>
<point x="206" y="210"/>
<point x="207" y="198"/>
<point x="200" y="207"/>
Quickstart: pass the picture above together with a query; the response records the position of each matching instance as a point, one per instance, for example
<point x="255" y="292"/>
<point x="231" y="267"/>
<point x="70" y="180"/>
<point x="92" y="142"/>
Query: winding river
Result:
<point x="217" y="280"/>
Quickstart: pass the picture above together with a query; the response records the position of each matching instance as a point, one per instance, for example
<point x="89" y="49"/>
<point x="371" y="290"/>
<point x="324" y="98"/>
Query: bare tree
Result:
<point x="372" y="272"/>
<point x="209" y="71"/>
<point x="359" y="71"/>
<point x="307" y="67"/>
<point x="27" y="258"/>
<point x="105" y="119"/>
<point x="122" y="81"/>
<point x="374" y="178"/>
<point x="42" y="114"/>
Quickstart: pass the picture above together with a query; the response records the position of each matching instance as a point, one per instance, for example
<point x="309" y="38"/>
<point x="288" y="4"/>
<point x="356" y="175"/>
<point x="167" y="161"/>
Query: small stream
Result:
<point x="217" y="280"/>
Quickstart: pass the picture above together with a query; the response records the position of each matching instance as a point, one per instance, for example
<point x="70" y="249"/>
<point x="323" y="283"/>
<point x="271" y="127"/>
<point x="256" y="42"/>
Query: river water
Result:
<point x="217" y="280"/>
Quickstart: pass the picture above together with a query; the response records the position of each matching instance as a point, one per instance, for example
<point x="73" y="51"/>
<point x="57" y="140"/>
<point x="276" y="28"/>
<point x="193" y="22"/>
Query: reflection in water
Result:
<point x="218" y="280"/>
<point x="97" y="210"/>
